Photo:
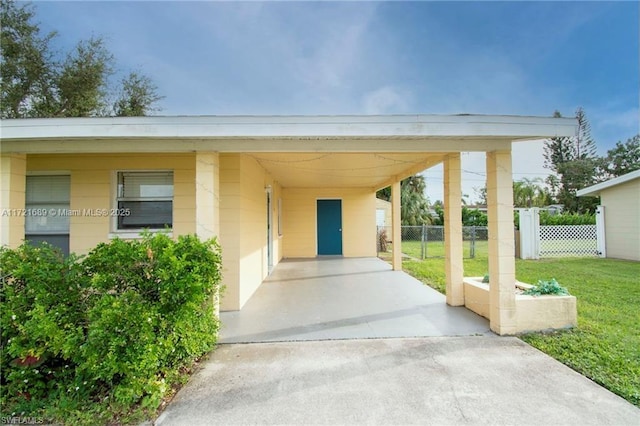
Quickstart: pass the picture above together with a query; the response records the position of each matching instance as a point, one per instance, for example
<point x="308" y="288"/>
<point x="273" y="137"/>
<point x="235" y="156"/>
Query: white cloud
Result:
<point x="385" y="100"/>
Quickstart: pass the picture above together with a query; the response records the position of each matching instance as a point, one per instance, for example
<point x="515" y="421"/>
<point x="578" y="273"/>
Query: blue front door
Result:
<point x="329" y="227"/>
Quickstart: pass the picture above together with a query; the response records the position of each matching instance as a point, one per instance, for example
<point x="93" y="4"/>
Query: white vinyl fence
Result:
<point x="538" y="241"/>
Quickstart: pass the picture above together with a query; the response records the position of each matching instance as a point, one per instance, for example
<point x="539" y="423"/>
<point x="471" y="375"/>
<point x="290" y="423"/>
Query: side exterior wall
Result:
<point x="385" y="206"/>
<point x="92" y="187"/>
<point x="358" y="220"/>
<point x="622" y="220"/>
<point x="243" y="227"/>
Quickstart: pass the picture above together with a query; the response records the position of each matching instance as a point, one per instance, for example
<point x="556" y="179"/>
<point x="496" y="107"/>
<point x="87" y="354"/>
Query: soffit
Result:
<point x="371" y="170"/>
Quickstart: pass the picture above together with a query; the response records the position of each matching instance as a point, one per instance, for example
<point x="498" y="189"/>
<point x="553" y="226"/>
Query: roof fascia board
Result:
<point x="595" y="190"/>
<point x="77" y="146"/>
<point x="514" y="127"/>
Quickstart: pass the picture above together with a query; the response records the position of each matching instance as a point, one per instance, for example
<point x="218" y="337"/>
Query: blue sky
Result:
<point x="527" y="58"/>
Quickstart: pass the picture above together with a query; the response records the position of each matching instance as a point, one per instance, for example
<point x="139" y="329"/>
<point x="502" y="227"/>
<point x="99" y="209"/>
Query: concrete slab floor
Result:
<point x="433" y="381"/>
<point x="344" y="298"/>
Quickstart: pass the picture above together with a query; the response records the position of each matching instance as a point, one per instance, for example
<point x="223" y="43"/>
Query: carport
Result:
<point x="261" y="185"/>
<point x="344" y="298"/>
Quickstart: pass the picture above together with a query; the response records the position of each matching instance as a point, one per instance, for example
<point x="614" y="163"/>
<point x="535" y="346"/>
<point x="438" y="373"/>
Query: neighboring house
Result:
<point x="554" y="209"/>
<point x="620" y="198"/>
<point x="269" y="187"/>
<point x="383" y="213"/>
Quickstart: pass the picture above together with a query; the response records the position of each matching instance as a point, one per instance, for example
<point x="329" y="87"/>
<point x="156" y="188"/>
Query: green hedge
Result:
<point x="115" y="327"/>
<point x="567" y="219"/>
<point x="559" y="219"/>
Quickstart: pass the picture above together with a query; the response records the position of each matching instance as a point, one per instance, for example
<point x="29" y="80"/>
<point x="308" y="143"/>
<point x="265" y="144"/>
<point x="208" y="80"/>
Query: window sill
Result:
<point x="134" y="235"/>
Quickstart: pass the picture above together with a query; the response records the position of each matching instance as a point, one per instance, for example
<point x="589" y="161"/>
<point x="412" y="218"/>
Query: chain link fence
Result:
<point x="427" y="241"/>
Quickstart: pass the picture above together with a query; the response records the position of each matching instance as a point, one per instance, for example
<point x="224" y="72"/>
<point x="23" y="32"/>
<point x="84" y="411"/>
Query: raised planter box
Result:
<point x="533" y="313"/>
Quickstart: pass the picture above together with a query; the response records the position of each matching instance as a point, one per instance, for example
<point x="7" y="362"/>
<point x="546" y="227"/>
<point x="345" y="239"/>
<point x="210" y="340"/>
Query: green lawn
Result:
<point x="606" y="344"/>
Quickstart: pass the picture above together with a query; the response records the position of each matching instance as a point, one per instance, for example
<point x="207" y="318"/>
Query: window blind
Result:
<point x="145" y="184"/>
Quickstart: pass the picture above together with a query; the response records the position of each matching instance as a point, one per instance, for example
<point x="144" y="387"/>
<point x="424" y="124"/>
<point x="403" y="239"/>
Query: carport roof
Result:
<point x="302" y="151"/>
<point x="345" y="133"/>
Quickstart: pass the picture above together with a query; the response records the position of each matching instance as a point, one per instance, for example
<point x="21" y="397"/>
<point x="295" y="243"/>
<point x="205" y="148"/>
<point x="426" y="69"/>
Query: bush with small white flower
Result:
<point x="116" y="327"/>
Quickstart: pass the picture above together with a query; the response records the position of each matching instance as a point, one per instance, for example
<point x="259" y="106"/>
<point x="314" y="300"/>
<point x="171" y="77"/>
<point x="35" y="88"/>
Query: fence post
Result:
<point x="472" y="251"/>
<point x="600" y="232"/>
<point x="536" y="232"/>
<point x="529" y="233"/>
<point x="422" y="248"/>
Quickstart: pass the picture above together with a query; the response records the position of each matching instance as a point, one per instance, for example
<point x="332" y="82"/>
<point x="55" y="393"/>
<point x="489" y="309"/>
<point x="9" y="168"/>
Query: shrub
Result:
<point x="42" y="309"/>
<point x="566" y="219"/>
<point x="547" y="218"/>
<point x="547" y="287"/>
<point x="117" y="325"/>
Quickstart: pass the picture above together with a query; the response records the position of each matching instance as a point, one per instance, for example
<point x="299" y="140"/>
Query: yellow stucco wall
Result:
<point x="533" y="313"/>
<point x="358" y="220"/>
<point x="12" y="199"/>
<point x="243" y="210"/>
<point x="622" y="220"/>
<point x="92" y="187"/>
<point x="243" y="227"/>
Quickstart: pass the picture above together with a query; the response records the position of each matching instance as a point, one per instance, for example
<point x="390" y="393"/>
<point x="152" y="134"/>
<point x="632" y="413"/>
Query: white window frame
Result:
<point x="116" y="198"/>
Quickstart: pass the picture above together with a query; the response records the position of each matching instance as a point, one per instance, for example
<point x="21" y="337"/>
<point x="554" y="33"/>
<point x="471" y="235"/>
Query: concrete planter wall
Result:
<point x="533" y="313"/>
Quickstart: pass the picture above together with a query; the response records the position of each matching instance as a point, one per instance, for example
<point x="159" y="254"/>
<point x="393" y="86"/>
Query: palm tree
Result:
<point x="529" y="193"/>
<point x="414" y="210"/>
<point x="414" y="206"/>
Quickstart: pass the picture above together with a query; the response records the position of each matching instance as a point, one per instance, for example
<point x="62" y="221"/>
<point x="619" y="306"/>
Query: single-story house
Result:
<point x="269" y="187"/>
<point x="620" y="199"/>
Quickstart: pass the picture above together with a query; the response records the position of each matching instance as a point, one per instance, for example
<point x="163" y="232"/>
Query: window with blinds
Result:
<point x="145" y="200"/>
<point x="47" y="201"/>
<point x="47" y="198"/>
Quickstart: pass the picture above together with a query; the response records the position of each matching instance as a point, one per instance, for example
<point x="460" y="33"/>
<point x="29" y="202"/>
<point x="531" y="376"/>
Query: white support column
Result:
<point x="396" y="230"/>
<point x="601" y="232"/>
<point x="454" y="268"/>
<point x="502" y="270"/>
<point x="12" y="197"/>
<point x="207" y="195"/>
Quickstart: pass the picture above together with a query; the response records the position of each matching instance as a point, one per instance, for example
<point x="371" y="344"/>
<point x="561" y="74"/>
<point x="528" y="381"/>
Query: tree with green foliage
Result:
<point x="530" y="193"/>
<point x="573" y="159"/>
<point x="137" y="96"/>
<point x="481" y="194"/>
<point x="414" y="209"/>
<point x="623" y="158"/>
<point x="25" y="63"/>
<point x="414" y="205"/>
<point x="38" y="82"/>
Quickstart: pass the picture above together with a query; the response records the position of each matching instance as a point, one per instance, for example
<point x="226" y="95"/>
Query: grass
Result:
<point x="605" y="346"/>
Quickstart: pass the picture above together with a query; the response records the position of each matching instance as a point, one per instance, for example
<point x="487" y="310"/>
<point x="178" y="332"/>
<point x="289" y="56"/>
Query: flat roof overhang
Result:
<point x="298" y="151"/>
<point x="377" y="133"/>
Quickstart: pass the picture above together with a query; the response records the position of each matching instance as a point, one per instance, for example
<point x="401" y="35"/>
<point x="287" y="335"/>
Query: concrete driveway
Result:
<point x="434" y="380"/>
<point x="337" y="346"/>
<point x="344" y="298"/>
